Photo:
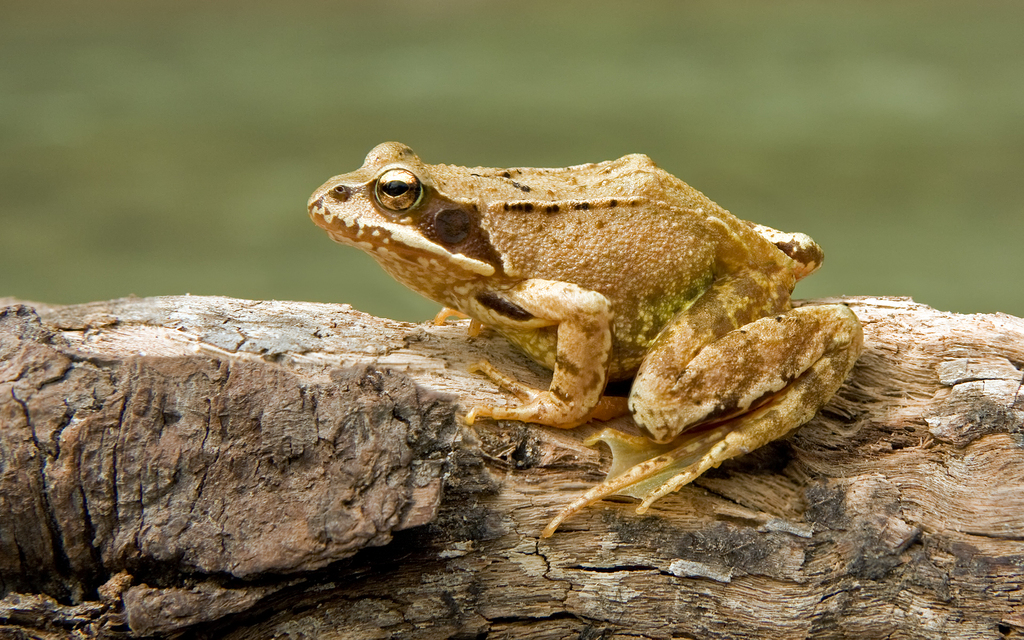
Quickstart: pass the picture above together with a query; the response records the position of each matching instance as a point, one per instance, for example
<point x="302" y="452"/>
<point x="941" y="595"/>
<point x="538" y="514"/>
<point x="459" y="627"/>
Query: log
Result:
<point x="208" y="467"/>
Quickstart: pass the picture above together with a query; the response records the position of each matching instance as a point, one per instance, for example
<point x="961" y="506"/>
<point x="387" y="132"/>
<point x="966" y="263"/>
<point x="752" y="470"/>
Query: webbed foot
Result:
<point x="642" y="469"/>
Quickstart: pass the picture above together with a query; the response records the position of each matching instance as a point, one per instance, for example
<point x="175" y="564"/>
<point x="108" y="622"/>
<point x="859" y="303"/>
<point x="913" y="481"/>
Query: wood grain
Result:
<point x="217" y="468"/>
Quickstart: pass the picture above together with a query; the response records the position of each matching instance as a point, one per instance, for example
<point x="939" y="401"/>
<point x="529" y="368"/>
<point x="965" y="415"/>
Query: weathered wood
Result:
<point x="240" y="469"/>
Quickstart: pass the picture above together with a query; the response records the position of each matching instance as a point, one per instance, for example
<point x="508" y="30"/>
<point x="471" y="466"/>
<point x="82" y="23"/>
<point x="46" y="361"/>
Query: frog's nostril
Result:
<point x="340" y="193"/>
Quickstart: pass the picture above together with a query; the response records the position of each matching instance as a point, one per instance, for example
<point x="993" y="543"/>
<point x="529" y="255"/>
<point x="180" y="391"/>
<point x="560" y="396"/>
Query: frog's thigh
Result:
<point x="748" y="366"/>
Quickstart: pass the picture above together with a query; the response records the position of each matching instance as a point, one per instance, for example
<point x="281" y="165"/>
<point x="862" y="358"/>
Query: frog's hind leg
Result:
<point x="751" y="386"/>
<point x="762" y="381"/>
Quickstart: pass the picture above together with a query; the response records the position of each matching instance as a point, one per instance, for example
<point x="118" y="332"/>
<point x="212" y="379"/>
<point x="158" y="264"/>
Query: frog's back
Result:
<point x="625" y="228"/>
<point x="600" y="225"/>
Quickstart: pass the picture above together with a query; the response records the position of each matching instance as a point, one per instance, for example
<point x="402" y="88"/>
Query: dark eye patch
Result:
<point x="456" y="227"/>
<point x="452" y="226"/>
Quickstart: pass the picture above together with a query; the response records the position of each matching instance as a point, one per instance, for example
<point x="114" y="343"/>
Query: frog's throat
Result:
<point x="388" y="241"/>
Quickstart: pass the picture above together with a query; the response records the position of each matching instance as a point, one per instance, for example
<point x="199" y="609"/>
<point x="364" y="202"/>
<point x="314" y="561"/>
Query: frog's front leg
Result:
<point x="749" y="387"/>
<point x="562" y="325"/>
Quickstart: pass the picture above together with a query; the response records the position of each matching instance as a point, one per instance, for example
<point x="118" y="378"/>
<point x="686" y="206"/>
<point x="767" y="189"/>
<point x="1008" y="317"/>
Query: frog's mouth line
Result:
<point x="389" y="240"/>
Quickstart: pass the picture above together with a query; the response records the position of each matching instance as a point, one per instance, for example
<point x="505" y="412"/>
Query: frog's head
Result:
<point x="391" y="209"/>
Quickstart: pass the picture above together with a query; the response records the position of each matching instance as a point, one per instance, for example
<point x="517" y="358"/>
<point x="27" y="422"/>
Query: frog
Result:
<point x="606" y="272"/>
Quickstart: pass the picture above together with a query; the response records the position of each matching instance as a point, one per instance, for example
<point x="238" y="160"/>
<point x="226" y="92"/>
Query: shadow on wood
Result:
<point x="219" y="468"/>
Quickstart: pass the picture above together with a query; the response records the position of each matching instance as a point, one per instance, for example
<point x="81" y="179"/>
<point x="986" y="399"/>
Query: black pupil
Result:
<point x="395" y="188"/>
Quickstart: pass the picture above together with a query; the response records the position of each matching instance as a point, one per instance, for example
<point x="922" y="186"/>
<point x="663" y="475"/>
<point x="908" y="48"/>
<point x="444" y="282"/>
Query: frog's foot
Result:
<point x="532" y="398"/>
<point x="541" y="406"/>
<point x="475" y="326"/>
<point x="648" y="471"/>
<point x="641" y="468"/>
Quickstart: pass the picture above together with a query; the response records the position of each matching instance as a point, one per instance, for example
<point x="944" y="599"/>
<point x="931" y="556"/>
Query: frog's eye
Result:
<point x="398" y="189"/>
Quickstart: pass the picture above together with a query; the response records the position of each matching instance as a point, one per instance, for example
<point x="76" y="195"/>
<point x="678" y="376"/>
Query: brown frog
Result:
<point x="604" y="272"/>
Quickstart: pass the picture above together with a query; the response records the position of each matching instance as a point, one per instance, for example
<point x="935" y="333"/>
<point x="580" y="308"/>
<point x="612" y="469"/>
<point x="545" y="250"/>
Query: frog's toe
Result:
<point x="475" y="326"/>
<point x="477" y="412"/>
<point x="524" y="392"/>
<point x="522" y="413"/>
<point x="447" y="312"/>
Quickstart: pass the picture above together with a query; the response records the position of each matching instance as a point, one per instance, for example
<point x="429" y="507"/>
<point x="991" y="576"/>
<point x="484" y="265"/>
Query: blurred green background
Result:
<point x="161" y="148"/>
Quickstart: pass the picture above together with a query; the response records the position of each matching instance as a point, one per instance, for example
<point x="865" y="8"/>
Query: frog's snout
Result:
<point x="318" y="210"/>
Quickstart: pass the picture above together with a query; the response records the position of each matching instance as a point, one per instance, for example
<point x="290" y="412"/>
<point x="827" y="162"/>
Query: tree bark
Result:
<point x="216" y="468"/>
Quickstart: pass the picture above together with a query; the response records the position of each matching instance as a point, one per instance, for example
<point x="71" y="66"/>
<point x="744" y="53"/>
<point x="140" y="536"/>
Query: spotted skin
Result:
<point x="610" y="271"/>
